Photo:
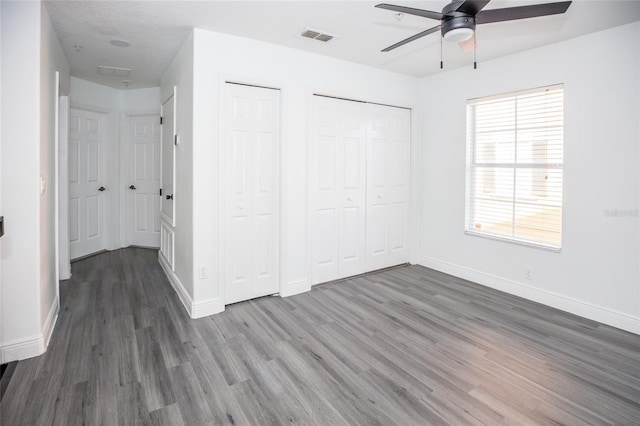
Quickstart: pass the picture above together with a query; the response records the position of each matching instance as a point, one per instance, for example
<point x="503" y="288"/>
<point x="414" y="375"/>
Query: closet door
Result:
<point x="337" y="188"/>
<point x="250" y="185"/>
<point x="388" y="179"/>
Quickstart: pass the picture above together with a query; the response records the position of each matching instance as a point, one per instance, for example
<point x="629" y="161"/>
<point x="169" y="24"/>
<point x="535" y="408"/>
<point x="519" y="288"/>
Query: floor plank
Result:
<point x="407" y="346"/>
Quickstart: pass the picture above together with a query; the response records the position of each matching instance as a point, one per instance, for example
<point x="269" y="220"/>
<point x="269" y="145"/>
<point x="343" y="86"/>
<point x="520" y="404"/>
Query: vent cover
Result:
<point x="316" y="35"/>
<point x="114" y="71"/>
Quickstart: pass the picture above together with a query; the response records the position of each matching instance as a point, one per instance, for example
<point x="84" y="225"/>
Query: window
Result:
<point x="514" y="174"/>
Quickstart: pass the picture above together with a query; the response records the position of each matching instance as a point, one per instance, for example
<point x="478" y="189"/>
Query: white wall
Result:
<point x="31" y="55"/>
<point x="218" y="58"/>
<point x="115" y="104"/>
<point x="52" y="60"/>
<point x="597" y="273"/>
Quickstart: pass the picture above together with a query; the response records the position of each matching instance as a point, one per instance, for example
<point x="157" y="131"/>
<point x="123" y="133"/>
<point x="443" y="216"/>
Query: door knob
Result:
<point x="132" y="187"/>
<point x="170" y="197"/>
<point x="102" y="188"/>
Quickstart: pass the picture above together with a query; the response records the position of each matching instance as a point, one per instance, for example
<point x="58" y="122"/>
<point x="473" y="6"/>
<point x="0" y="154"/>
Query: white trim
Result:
<point x="63" y="190"/>
<point x="50" y="321"/>
<point x="578" y="307"/>
<point x="32" y="346"/>
<point x="182" y="292"/>
<point x="207" y="307"/>
<point x="295" y="287"/>
<point x="197" y="309"/>
<point x="171" y="220"/>
<point x="56" y="187"/>
<point x="414" y="184"/>
<point x="20" y="349"/>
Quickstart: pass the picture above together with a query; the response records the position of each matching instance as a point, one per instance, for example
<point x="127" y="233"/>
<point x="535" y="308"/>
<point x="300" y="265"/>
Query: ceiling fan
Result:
<point x="459" y="18"/>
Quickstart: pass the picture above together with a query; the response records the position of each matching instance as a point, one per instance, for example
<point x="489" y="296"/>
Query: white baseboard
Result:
<point x="50" y="322"/>
<point x="578" y="307"/>
<point x="19" y="349"/>
<point x="183" y="295"/>
<point x="207" y="307"/>
<point x="197" y="309"/>
<point x="295" y="287"/>
<point x="29" y="347"/>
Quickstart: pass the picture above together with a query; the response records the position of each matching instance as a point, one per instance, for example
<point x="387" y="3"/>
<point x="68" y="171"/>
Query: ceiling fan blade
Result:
<point x="521" y="12"/>
<point x="412" y="11"/>
<point x="412" y="38"/>
<point x="468" y="45"/>
<point x="472" y="7"/>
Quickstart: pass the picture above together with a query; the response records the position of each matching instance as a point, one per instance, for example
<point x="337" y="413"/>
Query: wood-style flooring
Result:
<point x="407" y="346"/>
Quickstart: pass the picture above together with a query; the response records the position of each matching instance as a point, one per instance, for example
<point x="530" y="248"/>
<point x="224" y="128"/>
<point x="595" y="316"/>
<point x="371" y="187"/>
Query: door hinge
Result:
<point x="160" y="120"/>
<point x="161" y="192"/>
<point x="175" y="139"/>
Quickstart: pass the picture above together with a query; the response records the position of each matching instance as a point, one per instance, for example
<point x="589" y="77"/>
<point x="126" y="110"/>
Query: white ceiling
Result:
<point x="157" y="29"/>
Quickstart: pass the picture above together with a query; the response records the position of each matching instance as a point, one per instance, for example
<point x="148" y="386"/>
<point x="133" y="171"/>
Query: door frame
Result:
<point x="169" y="220"/>
<point x="125" y="161"/>
<point x="62" y="134"/>
<point x="223" y="180"/>
<point x="111" y="206"/>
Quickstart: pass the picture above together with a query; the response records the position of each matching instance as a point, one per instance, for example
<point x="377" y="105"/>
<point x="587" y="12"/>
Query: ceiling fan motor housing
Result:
<point x="455" y="20"/>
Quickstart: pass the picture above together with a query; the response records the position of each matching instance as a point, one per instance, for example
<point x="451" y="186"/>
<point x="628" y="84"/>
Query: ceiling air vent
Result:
<point x="114" y="71"/>
<point x="316" y="35"/>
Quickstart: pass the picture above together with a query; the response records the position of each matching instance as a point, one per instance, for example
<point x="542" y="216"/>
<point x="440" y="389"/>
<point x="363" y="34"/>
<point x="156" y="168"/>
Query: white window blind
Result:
<point x="515" y="161"/>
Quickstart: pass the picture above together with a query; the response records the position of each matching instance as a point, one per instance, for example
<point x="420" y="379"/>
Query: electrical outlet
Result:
<point x="202" y="273"/>
<point x="528" y="273"/>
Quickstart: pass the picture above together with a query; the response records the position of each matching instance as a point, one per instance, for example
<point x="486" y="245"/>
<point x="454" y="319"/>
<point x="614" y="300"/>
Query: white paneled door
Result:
<point x="143" y="180"/>
<point x="87" y="185"/>
<point x="250" y="149"/>
<point x="388" y="178"/>
<point x="337" y="182"/>
<point x="359" y="175"/>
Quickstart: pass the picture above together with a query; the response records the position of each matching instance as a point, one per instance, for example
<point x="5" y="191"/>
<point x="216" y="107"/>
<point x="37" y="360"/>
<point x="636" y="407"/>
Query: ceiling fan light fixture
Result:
<point x="458" y="35"/>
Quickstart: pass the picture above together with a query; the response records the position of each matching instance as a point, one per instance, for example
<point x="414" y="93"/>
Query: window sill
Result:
<point x="514" y="241"/>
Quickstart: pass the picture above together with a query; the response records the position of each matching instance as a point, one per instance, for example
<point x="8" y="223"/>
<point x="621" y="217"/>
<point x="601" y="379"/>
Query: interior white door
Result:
<point x="143" y="180"/>
<point x="250" y="184"/>
<point x="337" y="156"/>
<point x="87" y="185"/>
<point x="167" y="180"/>
<point x="388" y="182"/>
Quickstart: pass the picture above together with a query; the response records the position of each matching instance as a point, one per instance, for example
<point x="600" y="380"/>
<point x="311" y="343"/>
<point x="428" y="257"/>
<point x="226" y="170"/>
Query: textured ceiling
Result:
<point x="157" y="29"/>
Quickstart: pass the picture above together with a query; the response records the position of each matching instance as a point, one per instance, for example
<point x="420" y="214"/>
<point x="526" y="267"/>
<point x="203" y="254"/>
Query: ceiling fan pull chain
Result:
<point x="441" y="51"/>
<point x="475" y="48"/>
